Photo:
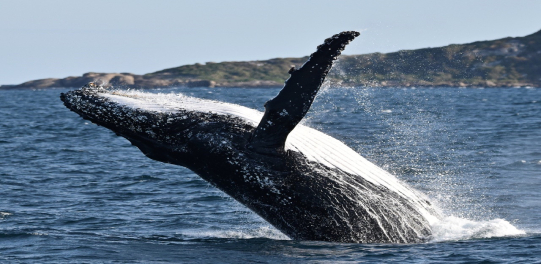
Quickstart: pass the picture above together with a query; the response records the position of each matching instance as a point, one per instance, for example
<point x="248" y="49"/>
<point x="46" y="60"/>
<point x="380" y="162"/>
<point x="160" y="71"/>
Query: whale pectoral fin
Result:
<point x="289" y="107"/>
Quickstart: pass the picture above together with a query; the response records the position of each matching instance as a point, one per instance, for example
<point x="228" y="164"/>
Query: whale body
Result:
<point x="305" y="183"/>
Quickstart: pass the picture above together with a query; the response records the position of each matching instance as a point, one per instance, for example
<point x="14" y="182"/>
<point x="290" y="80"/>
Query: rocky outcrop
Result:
<point x="114" y="80"/>
<point x="78" y="81"/>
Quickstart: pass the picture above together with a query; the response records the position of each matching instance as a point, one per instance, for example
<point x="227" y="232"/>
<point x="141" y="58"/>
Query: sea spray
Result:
<point x="452" y="228"/>
<point x="417" y="141"/>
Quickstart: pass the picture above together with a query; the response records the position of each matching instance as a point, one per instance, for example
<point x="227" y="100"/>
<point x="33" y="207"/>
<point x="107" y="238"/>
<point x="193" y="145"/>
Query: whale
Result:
<point x="305" y="183"/>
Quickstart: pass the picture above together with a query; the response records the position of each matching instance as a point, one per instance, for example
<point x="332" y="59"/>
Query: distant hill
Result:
<point x="507" y="62"/>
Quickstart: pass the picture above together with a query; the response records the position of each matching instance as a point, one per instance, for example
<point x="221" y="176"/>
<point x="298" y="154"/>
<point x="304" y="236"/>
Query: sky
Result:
<point x="60" y="38"/>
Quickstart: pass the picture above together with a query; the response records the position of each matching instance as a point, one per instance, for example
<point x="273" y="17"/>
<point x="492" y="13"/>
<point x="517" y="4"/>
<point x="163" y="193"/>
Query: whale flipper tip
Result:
<point x="287" y="109"/>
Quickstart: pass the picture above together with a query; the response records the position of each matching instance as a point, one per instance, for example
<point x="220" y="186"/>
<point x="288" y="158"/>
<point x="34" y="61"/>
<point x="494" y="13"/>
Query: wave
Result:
<point x="452" y="228"/>
<point x="268" y="232"/>
<point x="449" y="228"/>
<point x="4" y="214"/>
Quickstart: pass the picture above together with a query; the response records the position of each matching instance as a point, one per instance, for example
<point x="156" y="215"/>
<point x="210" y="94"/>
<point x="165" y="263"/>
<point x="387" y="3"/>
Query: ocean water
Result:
<point x="73" y="192"/>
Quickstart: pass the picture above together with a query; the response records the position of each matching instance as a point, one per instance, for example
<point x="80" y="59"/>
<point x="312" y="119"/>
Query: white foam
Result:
<point x="4" y="214"/>
<point x="315" y="145"/>
<point x="259" y="232"/>
<point x="451" y="228"/>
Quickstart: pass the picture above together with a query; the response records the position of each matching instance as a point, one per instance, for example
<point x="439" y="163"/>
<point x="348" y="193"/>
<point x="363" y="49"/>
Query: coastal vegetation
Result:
<point x="507" y="62"/>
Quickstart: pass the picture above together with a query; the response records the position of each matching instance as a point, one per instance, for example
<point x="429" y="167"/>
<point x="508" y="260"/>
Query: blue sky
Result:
<point x="60" y="38"/>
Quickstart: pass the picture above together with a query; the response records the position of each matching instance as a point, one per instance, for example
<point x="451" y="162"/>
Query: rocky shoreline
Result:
<point x="134" y="81"/>
<point x="128" y="80"/>
<point x="507" y="62"/>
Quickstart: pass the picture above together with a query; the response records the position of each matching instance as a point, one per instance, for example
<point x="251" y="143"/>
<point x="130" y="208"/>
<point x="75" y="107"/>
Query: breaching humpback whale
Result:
<point x="305" y="183"/>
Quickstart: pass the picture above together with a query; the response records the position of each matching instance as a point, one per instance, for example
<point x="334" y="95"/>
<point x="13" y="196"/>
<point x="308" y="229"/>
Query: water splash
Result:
<point x="452" y="228"/>
<point x="4" y="214"/>
<point x="410" y="136"/>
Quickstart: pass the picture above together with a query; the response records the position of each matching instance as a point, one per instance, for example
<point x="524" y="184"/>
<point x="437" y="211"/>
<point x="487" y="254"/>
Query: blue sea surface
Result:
<point x="74" y="192"/>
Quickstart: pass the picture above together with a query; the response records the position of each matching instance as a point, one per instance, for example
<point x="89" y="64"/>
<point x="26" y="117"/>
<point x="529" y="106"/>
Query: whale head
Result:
<point x="164" y="127"/>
